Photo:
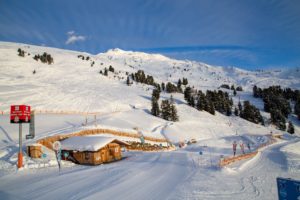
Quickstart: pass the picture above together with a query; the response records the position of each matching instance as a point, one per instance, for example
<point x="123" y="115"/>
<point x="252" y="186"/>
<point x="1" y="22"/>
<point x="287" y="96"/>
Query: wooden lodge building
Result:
<point x="92" y="150"/>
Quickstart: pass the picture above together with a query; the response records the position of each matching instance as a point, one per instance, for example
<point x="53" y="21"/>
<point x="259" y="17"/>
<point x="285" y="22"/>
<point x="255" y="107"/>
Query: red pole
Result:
<point x="20" y="155"/>
<point x="20" y="160"/>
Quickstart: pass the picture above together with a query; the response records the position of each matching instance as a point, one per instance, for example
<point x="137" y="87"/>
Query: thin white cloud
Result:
<point x="71" y="32"/>
<point x="72" y="37"/>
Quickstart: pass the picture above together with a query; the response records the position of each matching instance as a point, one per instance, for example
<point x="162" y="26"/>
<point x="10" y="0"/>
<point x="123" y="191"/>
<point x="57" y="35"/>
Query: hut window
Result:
<point x="111" y="151"/>
<point x="87" y="155"/>
<point x="116" y="150"/>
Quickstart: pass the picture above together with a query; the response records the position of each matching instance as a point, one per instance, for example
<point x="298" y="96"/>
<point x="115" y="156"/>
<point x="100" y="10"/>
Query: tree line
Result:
<point x="44" y="58"/>
<point x="210" y="102"/>
<point x="277" y="103"/>
<point x="169" y="87"/>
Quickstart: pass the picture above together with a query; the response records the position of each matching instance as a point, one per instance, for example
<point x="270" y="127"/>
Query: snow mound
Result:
<point x="292" y="148"/>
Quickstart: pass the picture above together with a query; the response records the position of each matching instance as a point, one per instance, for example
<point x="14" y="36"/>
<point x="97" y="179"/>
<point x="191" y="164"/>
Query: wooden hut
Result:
<point x="34" y="150"/>
<point x="92" y="150"/>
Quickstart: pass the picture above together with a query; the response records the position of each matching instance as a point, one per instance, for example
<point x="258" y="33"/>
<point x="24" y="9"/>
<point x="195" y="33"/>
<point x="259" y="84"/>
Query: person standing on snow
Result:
<point x="234" y="147"/>
<point x="248" y="145"/>
<point x="242" y="147"/>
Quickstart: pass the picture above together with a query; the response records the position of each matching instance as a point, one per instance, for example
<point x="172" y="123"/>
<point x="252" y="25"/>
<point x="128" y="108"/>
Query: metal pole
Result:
<point x="20" y="156"/>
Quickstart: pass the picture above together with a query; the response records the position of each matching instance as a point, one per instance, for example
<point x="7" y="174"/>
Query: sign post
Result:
<point x="31" y="126"/>
<point x="57" y="147"/>
<point x="200" y="153"/>
<point x="20" y="155"/>
<point x="20" y="114"/>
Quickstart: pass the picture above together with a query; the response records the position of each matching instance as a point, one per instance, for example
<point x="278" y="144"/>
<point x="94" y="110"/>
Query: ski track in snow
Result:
<point x="257" y="181"/>
<point x="161" y="175"/>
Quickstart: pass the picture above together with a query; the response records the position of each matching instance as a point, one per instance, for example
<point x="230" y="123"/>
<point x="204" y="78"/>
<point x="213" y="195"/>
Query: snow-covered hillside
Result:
<point x="72" y="84"/>
<point x="75" y="87"/>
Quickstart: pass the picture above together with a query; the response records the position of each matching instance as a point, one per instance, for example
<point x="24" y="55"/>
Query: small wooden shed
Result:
<point x="92" y="150"/>
<point x="34" y="150"/>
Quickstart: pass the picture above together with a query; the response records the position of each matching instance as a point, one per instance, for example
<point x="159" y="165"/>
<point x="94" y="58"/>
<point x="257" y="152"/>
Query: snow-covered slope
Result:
<point x="75" y="87"/>
<point x="72" y="84"/>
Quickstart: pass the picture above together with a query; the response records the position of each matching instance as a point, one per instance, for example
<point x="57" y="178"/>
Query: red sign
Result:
<point x="20" y="114"/>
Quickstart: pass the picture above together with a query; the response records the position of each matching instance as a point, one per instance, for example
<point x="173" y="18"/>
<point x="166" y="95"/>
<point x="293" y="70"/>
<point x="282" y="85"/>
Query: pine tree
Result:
<point x="240" y="106"/>
<point x="156" y="93"/>
<point x="163" y="87"/>
<point x="157" y="86"/>
<point x="179" y="84"/>
<point x="291" y="128"/>
<point x="21" y="52"/>
<point x="36" y="57"/>
<point x="239" y="88"/>
<point x="251" y="113"/>
<point x="174" y="117"/>
<point x="255" y="91"/>
<point x="234" y="92"/>
<point x="184" y="81"/>
<point x="171" y="88"/>
<point x="236" y="111"/>
<point x="228" y="110"/>
<point x="187" y="93"/>
<point x="278" y="119"/>
<point x="128" y="81"/>
<point x="211" y="108"/>
<point x="105" y="72"/>
<point x="165" y="109"/>
<point x="155" y="107"/>
<point x="191" y="101"/>
<point x="111" y="69"/>
<point x="201" y="102"/>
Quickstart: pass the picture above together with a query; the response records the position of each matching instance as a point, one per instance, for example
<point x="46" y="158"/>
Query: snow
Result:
<point x="165" y="175"/>
<point x="292" y="148"/>
<point x="70" y="91"/>
<point x="86" y="143"/>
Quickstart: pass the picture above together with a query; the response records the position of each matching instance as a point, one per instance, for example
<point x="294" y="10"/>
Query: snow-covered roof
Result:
<point x="88" y="143"/>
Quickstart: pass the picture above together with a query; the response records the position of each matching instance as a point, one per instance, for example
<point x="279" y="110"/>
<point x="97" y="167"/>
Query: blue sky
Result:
<point x="249" y="34"/>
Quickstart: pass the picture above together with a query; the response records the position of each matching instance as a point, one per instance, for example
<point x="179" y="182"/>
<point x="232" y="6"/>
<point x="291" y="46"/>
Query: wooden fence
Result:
<point x="228" y="160"/>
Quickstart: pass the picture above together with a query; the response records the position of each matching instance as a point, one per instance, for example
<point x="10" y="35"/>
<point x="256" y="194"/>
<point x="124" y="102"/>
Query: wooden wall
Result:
<point x="109" y="153"/>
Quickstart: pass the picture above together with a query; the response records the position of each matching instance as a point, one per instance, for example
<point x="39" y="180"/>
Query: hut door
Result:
<point x="104" y="156"/>
<point x="87" y="155"/>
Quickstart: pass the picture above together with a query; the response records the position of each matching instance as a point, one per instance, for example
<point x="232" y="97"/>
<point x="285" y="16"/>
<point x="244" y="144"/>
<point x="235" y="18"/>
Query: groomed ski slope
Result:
<point x="161" y="175"/>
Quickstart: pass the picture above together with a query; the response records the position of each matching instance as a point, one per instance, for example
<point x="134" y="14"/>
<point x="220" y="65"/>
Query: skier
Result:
<point x="242" y="147"/>
<point x="248" y="145"/>
<point x="234" y="147"/>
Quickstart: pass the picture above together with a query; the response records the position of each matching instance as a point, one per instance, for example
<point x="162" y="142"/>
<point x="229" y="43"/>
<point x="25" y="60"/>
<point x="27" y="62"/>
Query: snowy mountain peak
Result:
<point x="115" y="50"/>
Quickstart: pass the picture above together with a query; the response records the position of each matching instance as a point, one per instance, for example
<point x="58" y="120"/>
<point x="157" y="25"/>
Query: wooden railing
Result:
<point x="228" y="160"/>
